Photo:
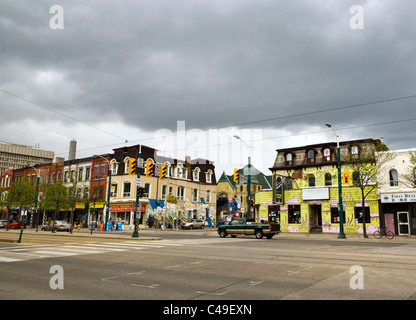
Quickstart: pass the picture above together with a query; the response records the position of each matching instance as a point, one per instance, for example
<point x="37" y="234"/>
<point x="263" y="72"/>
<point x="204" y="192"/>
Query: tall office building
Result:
<point x="14" y="156"/>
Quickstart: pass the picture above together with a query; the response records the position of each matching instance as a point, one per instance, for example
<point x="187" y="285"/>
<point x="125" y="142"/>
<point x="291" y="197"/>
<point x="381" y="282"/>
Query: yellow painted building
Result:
<point x="305" y="196"/>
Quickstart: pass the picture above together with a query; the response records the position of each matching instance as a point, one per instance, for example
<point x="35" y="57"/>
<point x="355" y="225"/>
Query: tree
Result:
<point x="55" y="198"/>
<point x="22" y="194"/>
<point x="409" y="177"/>
<point x="366" y="160"/>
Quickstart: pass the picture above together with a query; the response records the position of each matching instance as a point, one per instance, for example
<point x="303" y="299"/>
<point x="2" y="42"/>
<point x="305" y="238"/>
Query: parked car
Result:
<point x="59" y="225"/>
<point x="194" y="224"/>
<point x="3" y="223"/>
<point x="17" y="225"/>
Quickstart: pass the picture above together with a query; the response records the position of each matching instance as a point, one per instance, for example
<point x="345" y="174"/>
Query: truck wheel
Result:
<point x="259" y="234"/>
<point x="223" y="234"/>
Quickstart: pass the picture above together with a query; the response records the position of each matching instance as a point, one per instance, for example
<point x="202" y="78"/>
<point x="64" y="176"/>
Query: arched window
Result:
<point x="328" y="179"/>
<point x="311" y="156"/>
<point x="311" y="180"/>
<point x="394" y="178"/>
<point x="289" y="159"/>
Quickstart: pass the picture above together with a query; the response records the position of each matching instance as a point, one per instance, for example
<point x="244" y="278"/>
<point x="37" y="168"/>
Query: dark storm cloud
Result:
<point x="210" y="63"/>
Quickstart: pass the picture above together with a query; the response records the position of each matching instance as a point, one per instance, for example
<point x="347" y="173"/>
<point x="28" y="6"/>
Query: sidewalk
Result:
<point x="13" y="235"/>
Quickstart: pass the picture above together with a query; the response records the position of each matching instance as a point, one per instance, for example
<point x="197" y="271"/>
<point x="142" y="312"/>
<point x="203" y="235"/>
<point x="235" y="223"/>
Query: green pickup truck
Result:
<point x="248" y="227"/>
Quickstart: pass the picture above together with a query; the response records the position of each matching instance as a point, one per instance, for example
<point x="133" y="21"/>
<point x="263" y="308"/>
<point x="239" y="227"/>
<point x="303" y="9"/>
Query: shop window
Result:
<point x="334" y="215"/>
<point x="359" y="216"/>
<point x="294" y="214"/>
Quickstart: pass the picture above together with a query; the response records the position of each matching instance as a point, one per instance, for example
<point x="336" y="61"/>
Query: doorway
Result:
<point x="315" y="222"/>
<point x="389" y="222"/>
<point x="403" y="222"/>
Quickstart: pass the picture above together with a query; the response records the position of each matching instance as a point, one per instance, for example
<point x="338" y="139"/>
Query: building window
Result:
<point x="196" y="174"/>
<point x="414" y="177"/>
<point x="394" y="178"/>
<point x="289" y="159"/>
<point x="126" y="189"/>
<point x="195" y="195"/>
<point x="311" y="156"/>
<point x="208" y="176"/>
<point x="354" y="152"/>
<point x="126" y="165"/>
<point x="147" y="190"/>
<point x="181" y="193"/>
<point x="208" y="197"/>
<point x="87" y="173"/>
<point x="311" y="180"/>
<point x="96" y="172"/>
<point x="355" y="178"/>
<point x="102" y="173"/>
<point x="164" y="191"/>
<point x="86" y="193"/>
<point x="113" y="190"/>
<point x="328" y="179"/>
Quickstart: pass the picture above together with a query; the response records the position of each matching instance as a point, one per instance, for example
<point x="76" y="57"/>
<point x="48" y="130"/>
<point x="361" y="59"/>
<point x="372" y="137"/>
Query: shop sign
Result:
<point x="398" y="197"/>
<point x="315" y="194"/>
<point x="122" y="207"/>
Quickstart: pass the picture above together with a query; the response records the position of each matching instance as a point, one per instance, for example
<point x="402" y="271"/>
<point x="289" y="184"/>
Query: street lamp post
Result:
<point x="341" y="234"/>
<point x="36" y="199"/>
<point x="135" y="233"/>
<point x="248" y="177"/>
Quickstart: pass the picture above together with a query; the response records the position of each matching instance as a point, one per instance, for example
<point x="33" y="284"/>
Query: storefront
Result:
<point x="399" y="212"/>
<point x="317" y="210"/>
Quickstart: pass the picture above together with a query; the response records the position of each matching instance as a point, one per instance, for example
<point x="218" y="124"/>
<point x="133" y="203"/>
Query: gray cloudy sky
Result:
<point x="130" y="70"/>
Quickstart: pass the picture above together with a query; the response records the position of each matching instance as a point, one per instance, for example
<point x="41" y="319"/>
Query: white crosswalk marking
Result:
<point x="6" y="259"/>
<point x="22" y="253"/>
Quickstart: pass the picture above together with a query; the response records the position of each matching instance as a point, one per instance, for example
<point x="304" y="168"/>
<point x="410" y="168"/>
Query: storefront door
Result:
<point x="389" y="219"/>
<point x="403" y="222"/>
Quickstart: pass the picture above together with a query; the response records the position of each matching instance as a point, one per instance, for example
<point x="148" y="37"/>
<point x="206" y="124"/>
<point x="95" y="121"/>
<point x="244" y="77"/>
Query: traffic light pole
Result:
<point x="341" y="234"/>
<point x="136" y="220"/>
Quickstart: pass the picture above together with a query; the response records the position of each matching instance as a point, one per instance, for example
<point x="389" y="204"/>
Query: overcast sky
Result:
<point x="185" y="76"/>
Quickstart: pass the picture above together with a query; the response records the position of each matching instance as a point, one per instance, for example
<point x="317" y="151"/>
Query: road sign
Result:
<point x="138" y="182"/>
<point x="140" y="163"/>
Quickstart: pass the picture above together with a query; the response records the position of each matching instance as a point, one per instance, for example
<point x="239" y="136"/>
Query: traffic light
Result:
<point x="236" y="175"/>
<point x="141" y="191"/>
<point x="132" y="166"/>
<point x="346" y="178"/>
<point x="149" y="168"/>
<point x="163" y="169"/>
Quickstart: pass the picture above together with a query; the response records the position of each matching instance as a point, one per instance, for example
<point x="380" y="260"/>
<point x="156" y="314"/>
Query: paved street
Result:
<point x="194" y="265"/>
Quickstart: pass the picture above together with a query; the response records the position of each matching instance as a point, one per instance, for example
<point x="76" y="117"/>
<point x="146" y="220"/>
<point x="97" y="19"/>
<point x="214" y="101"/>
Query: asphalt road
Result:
<point x="198" y="265"/>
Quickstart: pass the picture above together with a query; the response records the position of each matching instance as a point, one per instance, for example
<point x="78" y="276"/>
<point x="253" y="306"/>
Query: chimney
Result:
<point x="72" y="149"/>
